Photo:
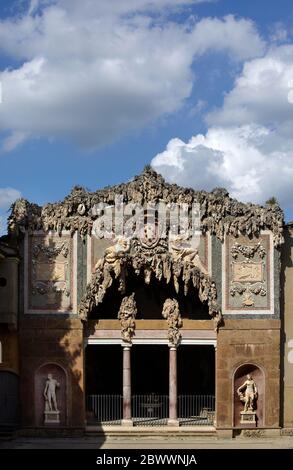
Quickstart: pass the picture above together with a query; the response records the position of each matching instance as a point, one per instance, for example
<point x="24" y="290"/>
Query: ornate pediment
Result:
<point x="219" y="214"/>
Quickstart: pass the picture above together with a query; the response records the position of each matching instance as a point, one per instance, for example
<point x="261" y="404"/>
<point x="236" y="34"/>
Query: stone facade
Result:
<point x="248" y="342"/>
<point x="52" y="343"/>
<point x="76" y="288"/>
<point x="287" y="333"/>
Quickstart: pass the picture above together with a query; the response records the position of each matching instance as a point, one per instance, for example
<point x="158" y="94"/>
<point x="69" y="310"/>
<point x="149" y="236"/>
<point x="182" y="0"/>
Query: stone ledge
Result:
<point x="150" y="431"/>
<point x="50" y="432"/>
<point x="255" y="433"/>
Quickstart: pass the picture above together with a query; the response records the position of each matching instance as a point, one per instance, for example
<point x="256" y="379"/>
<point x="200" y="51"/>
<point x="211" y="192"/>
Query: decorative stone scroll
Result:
<point x="172" y="314"/>
<point x="126" y="315"/>
<point x="157" y="262"/>
<point x="220" y="214"/>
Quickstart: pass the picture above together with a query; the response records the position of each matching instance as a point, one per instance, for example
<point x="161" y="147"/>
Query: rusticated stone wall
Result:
<point x="52" y="342"/>
<point x="248" y="342"/>
<point x="287" y="338"/>
<point x="9" y="344"/>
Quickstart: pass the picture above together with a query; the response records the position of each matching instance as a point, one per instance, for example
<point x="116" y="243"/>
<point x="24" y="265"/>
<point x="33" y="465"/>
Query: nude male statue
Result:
<point x="50" y="393"/>
<point x="250" y="393"/>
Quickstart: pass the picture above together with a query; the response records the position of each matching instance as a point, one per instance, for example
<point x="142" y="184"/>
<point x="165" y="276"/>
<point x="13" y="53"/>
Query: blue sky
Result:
<point x="94" y="91"/>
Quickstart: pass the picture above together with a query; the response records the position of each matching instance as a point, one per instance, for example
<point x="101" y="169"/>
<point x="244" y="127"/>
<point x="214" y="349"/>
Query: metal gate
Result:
<point x="196" y="410"/>
<point x="9" y="399"/>
<point x="104" y="409"/>
<point x="151" y="409"/>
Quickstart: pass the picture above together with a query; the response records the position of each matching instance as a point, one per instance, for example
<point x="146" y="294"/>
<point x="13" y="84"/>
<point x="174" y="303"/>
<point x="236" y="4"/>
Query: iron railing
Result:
<point x="104" y="409"/>
<point x="196" y="410"/>
<point x="150" y="410"/>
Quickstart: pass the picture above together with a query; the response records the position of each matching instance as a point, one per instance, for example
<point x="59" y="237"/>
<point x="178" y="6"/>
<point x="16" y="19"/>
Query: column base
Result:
<point x="127" y="422"/>
<point x="173" y="422"/>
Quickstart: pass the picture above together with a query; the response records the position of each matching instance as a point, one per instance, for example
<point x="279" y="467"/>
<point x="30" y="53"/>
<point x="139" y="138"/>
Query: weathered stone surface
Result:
<point x="220" y="214"/>
<point x="126" y="315"/>
<point x="243" y="346"/>
<point x="127" y="254"/>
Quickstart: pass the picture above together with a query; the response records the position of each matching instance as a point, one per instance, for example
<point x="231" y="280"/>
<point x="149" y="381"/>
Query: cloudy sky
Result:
<point x="93" y="90"/>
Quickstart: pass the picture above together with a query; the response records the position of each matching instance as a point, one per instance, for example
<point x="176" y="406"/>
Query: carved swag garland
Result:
<point x="159" y="263"/>
<point x="220" y="214"/>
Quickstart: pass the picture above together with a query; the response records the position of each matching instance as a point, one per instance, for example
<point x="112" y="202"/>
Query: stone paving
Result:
<point x="148" y="443"/>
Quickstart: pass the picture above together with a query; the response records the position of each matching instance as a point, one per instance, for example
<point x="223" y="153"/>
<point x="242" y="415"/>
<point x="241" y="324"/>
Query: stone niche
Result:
<point x="259" y="404"/>
<point x="41" y="376"/>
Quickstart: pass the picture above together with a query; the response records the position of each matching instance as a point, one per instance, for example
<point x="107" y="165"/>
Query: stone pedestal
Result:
<point x="52" y="417"/>
<point x="248" y="418"/>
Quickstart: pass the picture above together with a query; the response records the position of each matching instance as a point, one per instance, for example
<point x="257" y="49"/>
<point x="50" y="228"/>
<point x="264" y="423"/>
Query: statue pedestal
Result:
<point x="248" y="418"/>
<point x="52" y="417"/>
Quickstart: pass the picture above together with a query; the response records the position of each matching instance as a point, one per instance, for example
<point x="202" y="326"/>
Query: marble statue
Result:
<point x="50" y="394"/>
<point x="248" y="393"/>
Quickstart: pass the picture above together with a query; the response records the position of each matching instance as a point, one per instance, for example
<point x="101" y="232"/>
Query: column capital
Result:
<point x="173" y="347"/>
<point x="126" y="346"/>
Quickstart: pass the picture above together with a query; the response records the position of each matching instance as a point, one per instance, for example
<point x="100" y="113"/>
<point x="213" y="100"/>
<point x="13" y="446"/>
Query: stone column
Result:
<point x="127" y="421"/>
<point x="173" y="418"/>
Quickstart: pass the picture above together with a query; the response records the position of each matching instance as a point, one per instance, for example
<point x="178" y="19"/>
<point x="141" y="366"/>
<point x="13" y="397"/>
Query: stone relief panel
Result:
<point x="247" y="274"/>
<point x="50" y="273"/>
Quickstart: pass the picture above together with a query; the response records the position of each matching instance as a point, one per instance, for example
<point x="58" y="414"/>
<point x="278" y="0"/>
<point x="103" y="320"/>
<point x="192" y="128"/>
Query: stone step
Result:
<point x="150" y="431"/>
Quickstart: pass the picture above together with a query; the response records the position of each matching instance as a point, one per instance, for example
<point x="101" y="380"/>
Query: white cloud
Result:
<point x="248" y="147"/>
<point x="279" y="33"/>
<point x="8" y="196"/>
<point x="93" y="71"/>
<point x="239" y="38"/>
<point x="13" y="140"/>
<point x="260" y="93"/>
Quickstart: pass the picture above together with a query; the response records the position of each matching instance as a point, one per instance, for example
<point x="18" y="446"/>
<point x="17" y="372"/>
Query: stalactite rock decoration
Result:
<point x="181" y="249"/>
<point x="126" y="315"/>
<point x="220" y="214"/>
<point x="172" y="314"/>
<point x="157" y="262"/>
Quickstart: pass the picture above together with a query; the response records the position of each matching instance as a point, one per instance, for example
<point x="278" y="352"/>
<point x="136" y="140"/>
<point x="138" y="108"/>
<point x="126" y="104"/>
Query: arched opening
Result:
<point x="240" y="377"/>
<point x="143" y="286"/>
<point x="150" y="299"/>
